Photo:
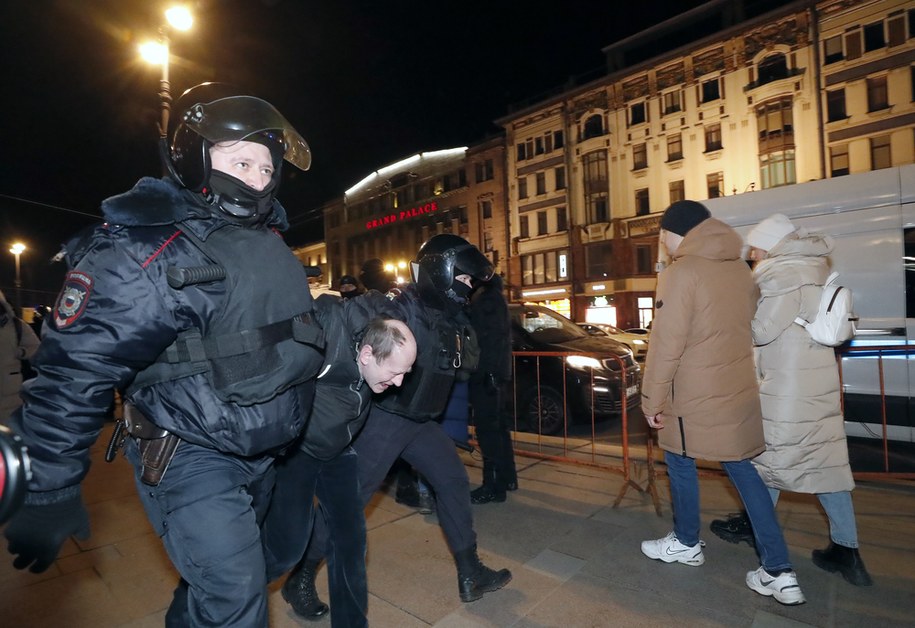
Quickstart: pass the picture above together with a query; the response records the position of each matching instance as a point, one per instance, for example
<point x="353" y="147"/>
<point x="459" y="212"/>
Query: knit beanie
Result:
<point x="682" y="216"/>
<point x="770" y="232"/>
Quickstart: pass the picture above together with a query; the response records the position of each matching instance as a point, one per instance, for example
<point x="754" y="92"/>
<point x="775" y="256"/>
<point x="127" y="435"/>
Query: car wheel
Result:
<point x="543" y="414"/>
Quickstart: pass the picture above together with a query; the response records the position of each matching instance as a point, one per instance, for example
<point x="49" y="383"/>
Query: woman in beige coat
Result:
<point x="806" y="450"/>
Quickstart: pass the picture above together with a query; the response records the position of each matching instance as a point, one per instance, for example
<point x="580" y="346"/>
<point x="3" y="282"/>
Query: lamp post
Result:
<point x="17" y="250"/>
<point x="179" y="18"/>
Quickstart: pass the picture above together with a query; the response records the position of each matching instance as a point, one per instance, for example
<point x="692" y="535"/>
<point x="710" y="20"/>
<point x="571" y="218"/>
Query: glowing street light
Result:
<point x="17" y="250"/>
<point x="178" y="18"/>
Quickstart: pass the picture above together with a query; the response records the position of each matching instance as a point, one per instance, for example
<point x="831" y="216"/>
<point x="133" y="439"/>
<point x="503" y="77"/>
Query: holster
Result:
<point x="156" y="445"/>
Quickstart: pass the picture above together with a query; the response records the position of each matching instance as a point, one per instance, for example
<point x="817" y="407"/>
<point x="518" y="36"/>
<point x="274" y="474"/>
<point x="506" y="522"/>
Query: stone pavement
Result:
<point x="575" y="559"/>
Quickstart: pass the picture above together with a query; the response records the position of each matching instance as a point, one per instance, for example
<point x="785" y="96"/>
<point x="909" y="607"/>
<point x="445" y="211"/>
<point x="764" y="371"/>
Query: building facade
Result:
<point x="567" y="204"/>
<point x="392" y="211"/>
<point x="810" y="91"/>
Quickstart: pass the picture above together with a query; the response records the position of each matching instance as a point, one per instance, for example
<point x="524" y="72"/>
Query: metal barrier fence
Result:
<point x="555" y="421"/>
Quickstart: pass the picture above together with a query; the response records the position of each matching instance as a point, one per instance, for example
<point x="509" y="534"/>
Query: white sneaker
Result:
<point x="671" y="550"/>
<point x="783" y="588"/>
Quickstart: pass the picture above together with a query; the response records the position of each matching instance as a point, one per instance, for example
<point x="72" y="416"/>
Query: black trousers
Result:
<point x="299" y="478"/>
<point x="492" y="432"/>
<point x="431" y="452"/>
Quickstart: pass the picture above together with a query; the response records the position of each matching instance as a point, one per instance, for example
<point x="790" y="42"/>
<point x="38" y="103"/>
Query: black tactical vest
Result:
<point x="263" y="339"/>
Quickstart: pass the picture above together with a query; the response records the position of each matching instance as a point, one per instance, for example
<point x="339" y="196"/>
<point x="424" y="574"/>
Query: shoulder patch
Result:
<point x="73" y="297"/>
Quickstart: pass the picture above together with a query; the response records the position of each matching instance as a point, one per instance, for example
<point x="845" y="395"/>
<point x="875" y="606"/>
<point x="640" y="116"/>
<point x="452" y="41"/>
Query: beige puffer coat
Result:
<point x="699" y="371"/>
<point x="806" y="450"/>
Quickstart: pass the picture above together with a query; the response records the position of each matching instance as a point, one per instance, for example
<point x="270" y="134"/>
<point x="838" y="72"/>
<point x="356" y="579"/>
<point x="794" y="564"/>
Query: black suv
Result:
<point x="536" y="328"/>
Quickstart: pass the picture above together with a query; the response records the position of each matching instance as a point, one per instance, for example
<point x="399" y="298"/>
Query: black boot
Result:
<point x="846" y="561"/>
<point x="475" y="578"/>
<point x="490" y="491"/>
<point x="300" y="592"/>
<point x="506" y="467"/>
<point x="734" y="529"/>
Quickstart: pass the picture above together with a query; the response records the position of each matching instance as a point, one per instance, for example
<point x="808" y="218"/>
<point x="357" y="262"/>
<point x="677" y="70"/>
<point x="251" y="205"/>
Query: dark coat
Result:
<point x="117" y="314"/>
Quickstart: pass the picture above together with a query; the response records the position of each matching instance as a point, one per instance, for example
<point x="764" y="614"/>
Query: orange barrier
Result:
<point x="548" y="430"/>
<point x="540" y="439"/>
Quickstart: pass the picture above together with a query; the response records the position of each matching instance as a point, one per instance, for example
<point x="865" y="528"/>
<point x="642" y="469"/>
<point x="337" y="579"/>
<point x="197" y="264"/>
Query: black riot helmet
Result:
<point x="212" y="113"/>
<point x="442" y="258"/>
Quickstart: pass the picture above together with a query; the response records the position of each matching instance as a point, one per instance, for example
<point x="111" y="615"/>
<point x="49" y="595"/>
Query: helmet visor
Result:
<point x="236" y="118"/>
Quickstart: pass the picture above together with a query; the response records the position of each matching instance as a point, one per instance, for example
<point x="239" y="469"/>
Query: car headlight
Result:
<point x="638" y="342"/>
<point x="583" y="362"/>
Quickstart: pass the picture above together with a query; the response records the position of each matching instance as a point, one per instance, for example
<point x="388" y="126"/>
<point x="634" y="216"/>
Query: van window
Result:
<point x="909" y="261"/>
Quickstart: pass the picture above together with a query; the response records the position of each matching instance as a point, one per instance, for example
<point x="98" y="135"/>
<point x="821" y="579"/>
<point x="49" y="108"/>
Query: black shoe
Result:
<point x="846" y="561"/>
<point x="475" y="578"/>
<point x="300" y="592"/>
<point x="486" y="494"/>
<point x="407" y="494"/>
<point x="512" y="486"/>
<point x="735" y="529"/>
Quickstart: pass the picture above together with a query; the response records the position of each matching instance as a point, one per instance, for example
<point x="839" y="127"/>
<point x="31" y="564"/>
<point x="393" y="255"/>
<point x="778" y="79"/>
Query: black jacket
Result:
<point x="436" y="324"/>
<point x="490" y="319"/>
<point x="342" y="398"/>
<point x="117" y="314"/>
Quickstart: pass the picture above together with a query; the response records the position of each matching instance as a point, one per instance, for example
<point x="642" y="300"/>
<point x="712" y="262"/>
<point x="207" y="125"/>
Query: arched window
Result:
<point x="772" y="68"/>
<point x="594" y="127"/>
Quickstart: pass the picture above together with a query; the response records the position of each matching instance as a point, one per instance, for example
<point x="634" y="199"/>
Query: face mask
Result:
<point x="240" y="201"/>
<point x="460" y="290"/>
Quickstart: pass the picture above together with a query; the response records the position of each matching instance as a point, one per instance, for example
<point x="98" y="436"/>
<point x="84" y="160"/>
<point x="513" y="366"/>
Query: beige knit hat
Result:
<point x="770" y="232"/>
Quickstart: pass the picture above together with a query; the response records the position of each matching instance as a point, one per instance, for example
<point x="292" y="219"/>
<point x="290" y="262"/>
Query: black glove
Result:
<point x="36" y="533"/>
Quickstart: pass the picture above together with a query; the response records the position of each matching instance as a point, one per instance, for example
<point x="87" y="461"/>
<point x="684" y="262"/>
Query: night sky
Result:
<point x="366" y="83"/>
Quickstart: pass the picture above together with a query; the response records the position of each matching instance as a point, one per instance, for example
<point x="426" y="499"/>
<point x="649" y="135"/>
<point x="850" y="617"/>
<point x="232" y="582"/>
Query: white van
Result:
<point x="872" y="217"/>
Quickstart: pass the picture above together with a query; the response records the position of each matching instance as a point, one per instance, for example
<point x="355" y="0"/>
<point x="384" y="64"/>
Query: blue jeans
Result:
<point x="684" y="490"/>
<point x="301" y="477"/>
<point x="841" y="514"/>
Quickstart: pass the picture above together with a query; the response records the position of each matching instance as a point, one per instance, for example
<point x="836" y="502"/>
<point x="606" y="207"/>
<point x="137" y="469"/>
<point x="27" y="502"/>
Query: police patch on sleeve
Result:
<point x="74" y="296"/>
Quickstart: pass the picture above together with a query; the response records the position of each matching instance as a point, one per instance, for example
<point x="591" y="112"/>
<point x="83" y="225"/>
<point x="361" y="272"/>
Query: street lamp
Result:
<point x="178" y="18"/>
<point x="17" y="250"/>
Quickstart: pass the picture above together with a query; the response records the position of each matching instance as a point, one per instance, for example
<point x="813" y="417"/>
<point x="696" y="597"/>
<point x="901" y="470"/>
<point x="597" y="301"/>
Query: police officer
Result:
<point x="188" y="302"/>
<point x="490" y="318"/>
<point x="363" y="357"/>
<point x="403" y="422"/>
